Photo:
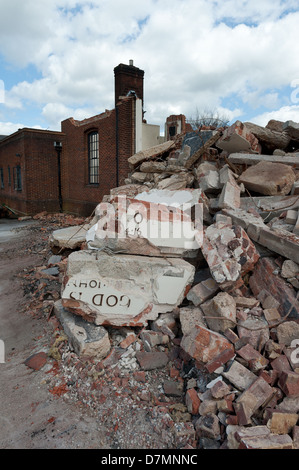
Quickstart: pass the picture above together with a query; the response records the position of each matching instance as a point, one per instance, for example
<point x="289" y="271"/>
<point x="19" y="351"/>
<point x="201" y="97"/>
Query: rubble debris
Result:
<point x="219" y="318"/>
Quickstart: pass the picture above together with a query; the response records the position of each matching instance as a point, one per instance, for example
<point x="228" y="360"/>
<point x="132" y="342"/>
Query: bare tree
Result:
<point x="208" y="117"/>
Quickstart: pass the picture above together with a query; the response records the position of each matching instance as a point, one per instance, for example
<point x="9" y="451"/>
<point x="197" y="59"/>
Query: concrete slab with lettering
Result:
<point x="124" y="289"/>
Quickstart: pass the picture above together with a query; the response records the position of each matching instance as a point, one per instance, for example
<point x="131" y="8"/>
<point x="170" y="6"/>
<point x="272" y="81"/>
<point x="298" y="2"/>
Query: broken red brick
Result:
<point x="289" y="383"/>
<point x="36" y="361"/>
<point x="192" y="401"/>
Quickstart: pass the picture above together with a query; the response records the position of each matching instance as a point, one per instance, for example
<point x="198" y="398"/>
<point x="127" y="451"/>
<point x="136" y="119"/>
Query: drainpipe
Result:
<point x="117" y="147"/>
<point x="58" y="148"/>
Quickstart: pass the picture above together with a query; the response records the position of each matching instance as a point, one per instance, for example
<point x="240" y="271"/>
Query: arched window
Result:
<point x="93" y="157"/>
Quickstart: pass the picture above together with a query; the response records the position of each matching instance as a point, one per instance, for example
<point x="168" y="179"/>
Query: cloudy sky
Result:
<point x="237" y="58"/>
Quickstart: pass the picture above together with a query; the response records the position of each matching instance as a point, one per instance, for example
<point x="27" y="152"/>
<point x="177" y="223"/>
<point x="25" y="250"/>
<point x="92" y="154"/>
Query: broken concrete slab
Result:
<point x="69" y="237"/>
<point x="124" y="290"/>
<point x="291" y="128"/>
<point x="237" y="138"/>
<point x="86" y="338"/>
<point x="268" y="178"/>
<point x="291" y="159"/>
<point x="137" y="226"/>
<point x="269" y="139"/>
<point x="230" y="196"/>
<point x="151" y="153"/>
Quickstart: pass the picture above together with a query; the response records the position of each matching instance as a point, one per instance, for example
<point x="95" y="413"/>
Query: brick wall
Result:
<point x="34" y="153"/>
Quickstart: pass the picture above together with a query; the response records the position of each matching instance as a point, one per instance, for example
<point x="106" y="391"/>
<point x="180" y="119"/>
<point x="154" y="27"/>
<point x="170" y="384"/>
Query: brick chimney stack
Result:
<point x="128" y="78"/>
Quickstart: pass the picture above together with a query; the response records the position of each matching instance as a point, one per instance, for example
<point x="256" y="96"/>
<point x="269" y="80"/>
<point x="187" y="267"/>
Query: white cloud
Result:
<point x="7" y="128"/>
<point x="286" y="113"/>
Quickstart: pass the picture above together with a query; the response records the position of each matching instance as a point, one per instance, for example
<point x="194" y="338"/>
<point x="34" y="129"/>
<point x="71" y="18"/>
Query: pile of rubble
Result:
<point x="194" y="262"/>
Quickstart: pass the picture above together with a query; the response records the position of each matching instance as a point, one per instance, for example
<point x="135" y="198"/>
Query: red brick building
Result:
<point x="91" y="156"/>
<point x="29" y="171"/>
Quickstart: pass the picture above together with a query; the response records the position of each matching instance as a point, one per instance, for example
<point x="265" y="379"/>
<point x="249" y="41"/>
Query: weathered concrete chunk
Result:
<point x="270" y="139"/>
<point x="220" y="312"/>
<point x="230" y="196"/>
<point x="255" y="329"/>
<point x="149" y="226"/>
<point x="189" y="317"/>
<point x="69" y="237"/>
<point x="287" y="332"/>
<point x="237" y="138"/>
<point x="86" y="338"/>
<point x="124" y="290"/>
<point x="150" y="153"/>
<point x="268" y="178"/>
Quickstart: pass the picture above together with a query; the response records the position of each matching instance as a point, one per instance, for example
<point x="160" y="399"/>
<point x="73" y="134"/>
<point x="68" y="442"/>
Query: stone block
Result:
<point x="255" y="329"/>
<point x="86" y="338"/>
<point x="208" y="426"/>
<point x="220" y="312"/>
<point x="190" y="317"/>
<point x="292" y="129"/>
<point x="291" y="217"/>
<point x="268" y="178"/>
<point x="287" y="332"/>
<point x="124" y="290"/>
